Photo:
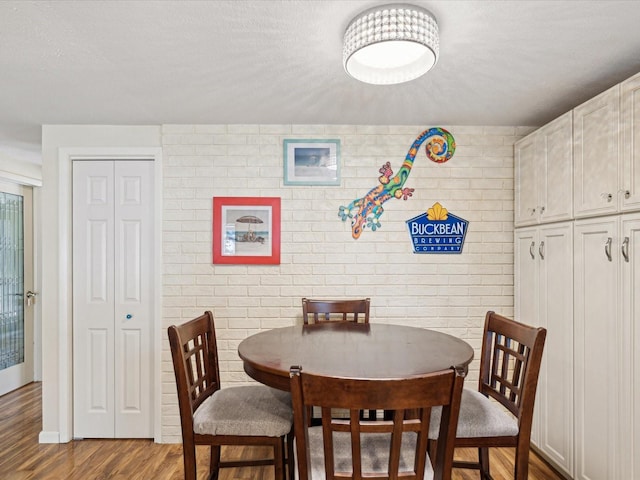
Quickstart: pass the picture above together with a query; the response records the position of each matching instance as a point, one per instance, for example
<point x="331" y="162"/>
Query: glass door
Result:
<point x="16" y="267"/>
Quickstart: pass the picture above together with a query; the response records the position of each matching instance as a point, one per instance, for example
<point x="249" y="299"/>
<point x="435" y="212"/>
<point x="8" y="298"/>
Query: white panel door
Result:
<point x="93" y="303"/>
<point x="597" y="345"/>
<point x="596" y="131"/>
<point x="112" y="252"/>
<point x="554" y="404"/>
<point x="133" y="298"/>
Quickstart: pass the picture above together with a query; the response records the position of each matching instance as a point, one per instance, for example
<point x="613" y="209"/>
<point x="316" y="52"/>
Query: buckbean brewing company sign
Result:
<point x="437" y="231"/>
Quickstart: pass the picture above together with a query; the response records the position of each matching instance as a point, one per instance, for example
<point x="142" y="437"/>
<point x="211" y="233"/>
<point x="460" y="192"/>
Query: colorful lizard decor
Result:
<point x="366" y="211"/>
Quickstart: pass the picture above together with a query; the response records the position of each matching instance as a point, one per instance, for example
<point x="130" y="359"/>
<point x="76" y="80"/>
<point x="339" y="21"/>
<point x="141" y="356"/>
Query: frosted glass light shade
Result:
<point x="391" y="44"/>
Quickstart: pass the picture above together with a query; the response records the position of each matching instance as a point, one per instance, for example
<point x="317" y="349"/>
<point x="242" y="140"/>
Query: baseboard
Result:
<point x="49" y="437"/>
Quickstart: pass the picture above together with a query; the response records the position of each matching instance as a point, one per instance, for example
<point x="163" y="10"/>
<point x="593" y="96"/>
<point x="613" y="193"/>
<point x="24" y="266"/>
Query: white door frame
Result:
<point x="66" y="156"/>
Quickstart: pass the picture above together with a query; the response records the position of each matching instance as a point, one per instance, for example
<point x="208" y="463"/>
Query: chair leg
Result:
<point x="521" y="466"/>
<point x="483" y="460"/>
<point x="291" y="464"/>
<point x="214" y="462"/>
<point x="278" y="459"/>
<point x="189" y="457"/>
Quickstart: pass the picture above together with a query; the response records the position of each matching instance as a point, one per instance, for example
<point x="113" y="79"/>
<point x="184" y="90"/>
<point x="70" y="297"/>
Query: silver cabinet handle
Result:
<point x="607" y="196"/>
<point x="541" y="210"/>
<point x="626" y="193"/>
<point x="625" y="249"/>
<point x="541" y="250"/>
<point x="607" y="248"/>
<point x="531" y="247"/>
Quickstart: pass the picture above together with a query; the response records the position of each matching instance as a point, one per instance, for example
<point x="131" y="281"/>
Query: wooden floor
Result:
<point x="22" y="457"/>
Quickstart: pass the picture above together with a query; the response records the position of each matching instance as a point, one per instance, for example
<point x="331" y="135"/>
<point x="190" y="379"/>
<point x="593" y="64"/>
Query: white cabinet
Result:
<point x="629" y="179"/>
<point x="544" y="175"/>
<point x="596" y="154"/>
<point x="607" y="347"/>
<point x="544" y="297"/>
<point x="607" y="151"/>
<point x="587" y="418"/>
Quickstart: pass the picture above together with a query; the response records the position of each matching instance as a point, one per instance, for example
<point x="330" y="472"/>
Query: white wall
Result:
<point x="56" y="257"/>
<point x="19" y="171"/>
<point x="450" y="293"/>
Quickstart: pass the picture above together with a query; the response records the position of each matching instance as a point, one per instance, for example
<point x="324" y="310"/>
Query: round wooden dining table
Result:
<point x="350" y="350"/>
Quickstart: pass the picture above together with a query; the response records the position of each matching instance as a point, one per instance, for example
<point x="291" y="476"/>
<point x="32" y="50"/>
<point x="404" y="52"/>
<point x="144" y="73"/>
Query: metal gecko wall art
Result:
<point x="365" y="212"/>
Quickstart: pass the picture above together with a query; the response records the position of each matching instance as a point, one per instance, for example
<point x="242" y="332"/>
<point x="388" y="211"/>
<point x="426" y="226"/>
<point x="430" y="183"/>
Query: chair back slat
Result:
<point x="409" y="400"/>
<point x="316" y="311"/>
<point x="510" y="362"/>
<point x="195" y="361"/>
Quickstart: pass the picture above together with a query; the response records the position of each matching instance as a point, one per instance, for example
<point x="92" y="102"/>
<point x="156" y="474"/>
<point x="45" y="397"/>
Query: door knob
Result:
<point x="31" y="297"/>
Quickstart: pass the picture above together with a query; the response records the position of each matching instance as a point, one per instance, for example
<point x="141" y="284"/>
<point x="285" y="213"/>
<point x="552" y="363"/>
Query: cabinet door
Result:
<point x="554" y="403"/>
<point x="596" y="349"/>
<point x="526" y="290"/>
<point x="629" y="193"/>
<point x="596" y="155"/>
<point x="629" y="420"/>
<point x="526" y="188"/>
<point x="526" y="275"/>
<point x="555" y="169"/>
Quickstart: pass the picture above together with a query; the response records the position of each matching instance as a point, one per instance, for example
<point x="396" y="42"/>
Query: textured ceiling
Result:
<point x="280" y="62"/>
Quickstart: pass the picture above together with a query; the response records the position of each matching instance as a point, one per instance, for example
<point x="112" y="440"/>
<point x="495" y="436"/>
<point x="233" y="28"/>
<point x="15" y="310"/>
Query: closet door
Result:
<point x="112" y="272"/>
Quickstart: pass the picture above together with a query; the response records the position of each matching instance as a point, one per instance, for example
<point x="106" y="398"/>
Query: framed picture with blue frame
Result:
<point x="312" y="162"/>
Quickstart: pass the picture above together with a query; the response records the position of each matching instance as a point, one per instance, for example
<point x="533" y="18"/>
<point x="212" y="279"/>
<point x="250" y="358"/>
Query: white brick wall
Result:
<point x="319" y="258"/>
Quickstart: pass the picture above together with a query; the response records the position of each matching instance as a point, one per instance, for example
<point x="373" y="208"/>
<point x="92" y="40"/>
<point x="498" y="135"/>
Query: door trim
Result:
<point x="66" y="156"/>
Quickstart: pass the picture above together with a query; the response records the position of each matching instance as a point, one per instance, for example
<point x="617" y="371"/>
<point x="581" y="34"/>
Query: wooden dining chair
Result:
<point x="353" y="449"/>
<point x="500" y="413"/>
<point x="319" y="311"/>
<point x="209" y="415"/>
<point x="316" y="311"/>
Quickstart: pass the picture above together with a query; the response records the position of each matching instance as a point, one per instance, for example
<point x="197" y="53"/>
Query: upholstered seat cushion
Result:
<point x="375" y="453"/>
<point x="254" y="410"/>
<point x="479" y="417"/>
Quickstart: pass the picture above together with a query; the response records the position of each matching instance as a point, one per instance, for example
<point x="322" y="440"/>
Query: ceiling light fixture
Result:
<point x="391" y="44"/>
